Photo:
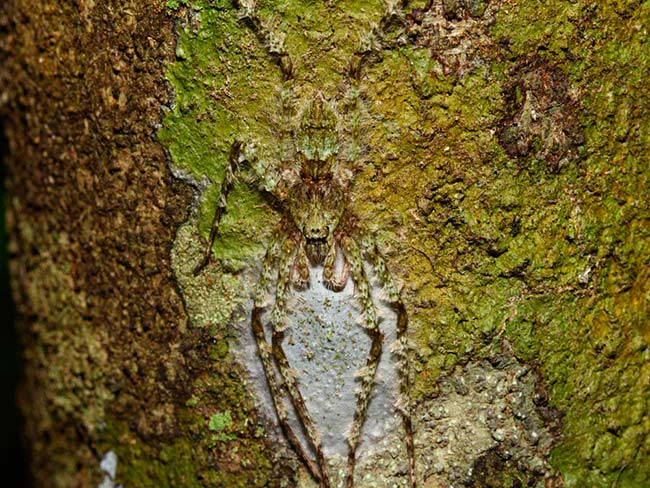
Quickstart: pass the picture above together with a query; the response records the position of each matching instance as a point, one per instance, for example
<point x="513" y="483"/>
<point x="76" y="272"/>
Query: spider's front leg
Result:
<point x="375" y="40"/>
<point x="273" y="42"/>
<point x="290" y="257"/>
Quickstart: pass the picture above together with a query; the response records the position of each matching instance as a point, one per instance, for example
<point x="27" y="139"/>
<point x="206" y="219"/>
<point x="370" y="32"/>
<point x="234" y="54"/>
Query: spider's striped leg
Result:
<point x="273" y="42"/>
<point x="267" y="277"/>
<point x="279" y="322"/>
<point x="374" y="41"/>
<point x="369" y="52"/>
<point x="300" y="270"/>
<point x="226" y="187"/>
<point x="399" y="348"/>
<point x="370" y="322"/>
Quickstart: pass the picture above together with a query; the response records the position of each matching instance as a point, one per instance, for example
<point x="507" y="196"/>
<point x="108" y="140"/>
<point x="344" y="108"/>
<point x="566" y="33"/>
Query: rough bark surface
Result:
<point x="505" y="175"/>
<point x="92" y="211"/>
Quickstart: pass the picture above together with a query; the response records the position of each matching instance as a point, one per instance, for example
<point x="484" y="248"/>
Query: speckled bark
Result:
<point x="92" y="212"/>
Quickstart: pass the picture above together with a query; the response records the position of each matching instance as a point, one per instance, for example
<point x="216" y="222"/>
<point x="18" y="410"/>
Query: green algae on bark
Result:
<point x="502" y="175"/>
<point x="592" y="345"/>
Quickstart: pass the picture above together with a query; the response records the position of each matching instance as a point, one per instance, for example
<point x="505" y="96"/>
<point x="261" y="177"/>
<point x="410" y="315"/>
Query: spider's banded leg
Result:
<point x="226" y="187"/>
<point x="371" y="45"/>
<point x="265" y="353"/>
<point x="370" y="322"/>
<point x="399" y="348"/>
<point x="273" y="42"/>
<point x="279" y="322"/>
<point x="276" y="49"/>
<point x="374" y="41"/>
<point x="286" y="133"/>
<point x="300" y="271"/>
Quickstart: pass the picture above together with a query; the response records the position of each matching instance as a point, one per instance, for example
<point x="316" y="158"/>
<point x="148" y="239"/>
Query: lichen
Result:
<point x="488" y="422"/>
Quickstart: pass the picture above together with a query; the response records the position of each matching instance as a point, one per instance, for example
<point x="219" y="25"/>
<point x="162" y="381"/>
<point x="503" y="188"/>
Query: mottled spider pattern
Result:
<point x="309" y="184"/>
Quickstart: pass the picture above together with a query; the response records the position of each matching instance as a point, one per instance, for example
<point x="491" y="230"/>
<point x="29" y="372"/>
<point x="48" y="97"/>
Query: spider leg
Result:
<point x="274" y="45"/>
<point x="265" y="352"/>
<point x="399" y="348"/>
<point x="279" y="322"/>
<point x="368" y="52"/>
<point x="269" y="183"/>
<point x="370" y="322"/>
<point x="226" y="187"/>
<point x="273" y="42"/>
<point x="300" y="271"/>
<point x="375" y="41"/>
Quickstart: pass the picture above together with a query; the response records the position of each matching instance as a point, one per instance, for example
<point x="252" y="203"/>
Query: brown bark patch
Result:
<point x="93" y="212"/>
<point x="542" y="114"/>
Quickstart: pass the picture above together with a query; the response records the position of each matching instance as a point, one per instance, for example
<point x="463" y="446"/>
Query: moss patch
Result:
<point x="545" y="248"/>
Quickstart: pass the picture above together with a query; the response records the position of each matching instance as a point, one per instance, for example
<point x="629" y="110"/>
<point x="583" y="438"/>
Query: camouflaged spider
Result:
<point x="310" y="188"/>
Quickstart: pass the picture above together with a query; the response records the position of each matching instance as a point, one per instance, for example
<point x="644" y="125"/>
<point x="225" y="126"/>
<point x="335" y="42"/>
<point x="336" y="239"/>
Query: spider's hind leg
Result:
<point x="276" y="387"/>
<point x="370" y="322"/>
<point x="399" y="348"/>
<point x="279" y="322"/>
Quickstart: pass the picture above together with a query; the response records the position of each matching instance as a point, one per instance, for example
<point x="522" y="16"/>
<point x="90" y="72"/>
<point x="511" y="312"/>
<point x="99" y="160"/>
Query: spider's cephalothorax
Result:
<point x="318" y="144"/>
<point x="308" y="184"/>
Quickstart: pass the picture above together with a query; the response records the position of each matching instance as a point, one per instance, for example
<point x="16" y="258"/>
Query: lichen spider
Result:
<point x="317" y="228"/>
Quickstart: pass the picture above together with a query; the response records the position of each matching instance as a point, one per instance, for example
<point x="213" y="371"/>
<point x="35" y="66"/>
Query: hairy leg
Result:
<point x="370" y="323"/>
<point x="273" y="42"/>
<point x="374" y="41"/>
<point x="279" y="322"/>
<point x="226" y="187"/>
<point x="267" y="278"/>
<point x="399" y="348"/>
<point x="300" y="270"/>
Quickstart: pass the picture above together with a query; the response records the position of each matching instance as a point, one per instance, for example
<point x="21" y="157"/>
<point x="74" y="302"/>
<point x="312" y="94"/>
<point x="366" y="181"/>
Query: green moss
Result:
<point x="220" y="421"/>
<point x="521" y="250"/>
<point x="585" y="338"/>
<point x="490" y="248"/>
<point x="197" y="456"/>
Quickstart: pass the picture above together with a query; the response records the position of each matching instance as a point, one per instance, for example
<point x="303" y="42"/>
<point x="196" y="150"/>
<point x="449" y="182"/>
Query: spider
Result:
<point x="309" y="187"/>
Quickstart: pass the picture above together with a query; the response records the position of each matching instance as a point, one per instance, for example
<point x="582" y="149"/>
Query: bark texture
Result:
<point x="92" y="210"/>
<point x="505" y="174"/>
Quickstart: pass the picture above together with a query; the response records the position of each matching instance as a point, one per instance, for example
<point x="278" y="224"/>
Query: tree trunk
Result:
<point x="498" y="151"/>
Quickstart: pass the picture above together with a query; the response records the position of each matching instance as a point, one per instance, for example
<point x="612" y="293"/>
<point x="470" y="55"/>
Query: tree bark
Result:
<point x="502" y="168"/>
